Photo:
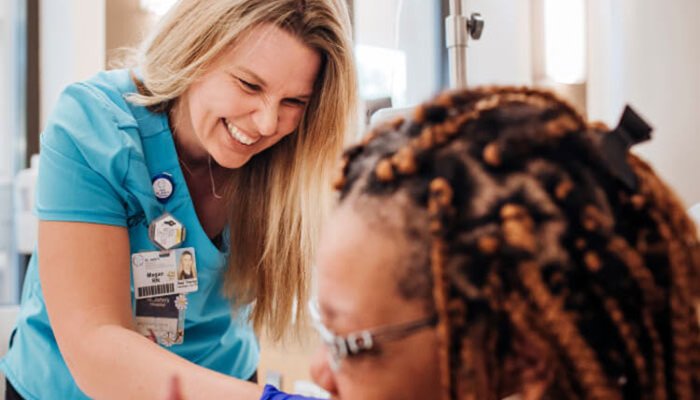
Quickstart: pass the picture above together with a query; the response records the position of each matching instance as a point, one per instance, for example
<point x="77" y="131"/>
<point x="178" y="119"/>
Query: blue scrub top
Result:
<point x="98" y="156"/>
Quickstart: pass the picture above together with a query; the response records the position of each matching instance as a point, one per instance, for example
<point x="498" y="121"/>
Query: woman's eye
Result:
<point x="249" y="86"/>
<point x="296" y="102"/>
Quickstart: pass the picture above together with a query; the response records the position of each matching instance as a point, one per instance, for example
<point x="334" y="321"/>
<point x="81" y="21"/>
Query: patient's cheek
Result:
<point x="321" y="372"/>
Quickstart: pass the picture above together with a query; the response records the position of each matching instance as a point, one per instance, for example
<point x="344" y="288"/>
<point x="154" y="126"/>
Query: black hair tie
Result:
<point x="631" y="130"/>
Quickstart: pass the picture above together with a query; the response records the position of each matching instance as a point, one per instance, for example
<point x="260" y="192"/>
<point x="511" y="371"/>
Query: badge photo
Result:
<point x="186" y="270"/>
<point x="161" y="273"/>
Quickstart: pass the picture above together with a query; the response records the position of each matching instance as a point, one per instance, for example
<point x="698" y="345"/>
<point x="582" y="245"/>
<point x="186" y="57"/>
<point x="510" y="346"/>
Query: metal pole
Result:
<point x="455" y="7"/>
<point x="456" y="40"/>
<point x="458" y="29"/>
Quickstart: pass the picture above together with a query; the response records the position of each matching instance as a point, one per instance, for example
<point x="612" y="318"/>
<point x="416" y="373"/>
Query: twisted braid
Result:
<point x="652" y="295"/>
<point x="567" y="335"/>
<point x="533" y="240"/>
<point x="679" y="234"/>
<point x="438" y="208"/>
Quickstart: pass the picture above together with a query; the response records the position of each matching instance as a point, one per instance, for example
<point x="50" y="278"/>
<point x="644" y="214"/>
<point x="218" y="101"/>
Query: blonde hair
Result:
<point x="279" y="198"/>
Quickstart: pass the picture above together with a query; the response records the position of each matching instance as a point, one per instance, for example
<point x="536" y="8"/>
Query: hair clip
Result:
<point x="631" y="130"/>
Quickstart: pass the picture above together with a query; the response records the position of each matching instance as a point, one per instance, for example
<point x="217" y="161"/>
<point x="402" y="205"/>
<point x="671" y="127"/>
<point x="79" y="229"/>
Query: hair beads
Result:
<point x="534" y="243"/>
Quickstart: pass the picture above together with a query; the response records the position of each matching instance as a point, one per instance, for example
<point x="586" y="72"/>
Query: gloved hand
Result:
<point x="271" y="393"/>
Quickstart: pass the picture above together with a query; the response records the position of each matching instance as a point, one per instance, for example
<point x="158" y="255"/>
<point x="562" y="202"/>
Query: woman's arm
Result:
<point x="85" y="274"/>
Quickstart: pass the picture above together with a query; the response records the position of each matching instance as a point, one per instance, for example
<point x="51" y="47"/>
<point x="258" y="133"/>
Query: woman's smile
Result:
<point x="237" y="143"/>
<point x="238" y="134"/>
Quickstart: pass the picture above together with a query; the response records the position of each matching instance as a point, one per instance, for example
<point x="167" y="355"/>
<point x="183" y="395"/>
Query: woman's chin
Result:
<point x="232" y="161"/>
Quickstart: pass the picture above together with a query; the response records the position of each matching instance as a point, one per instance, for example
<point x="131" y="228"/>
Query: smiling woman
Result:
<point x="208" y="162"/>
<point x="245" y="103"/>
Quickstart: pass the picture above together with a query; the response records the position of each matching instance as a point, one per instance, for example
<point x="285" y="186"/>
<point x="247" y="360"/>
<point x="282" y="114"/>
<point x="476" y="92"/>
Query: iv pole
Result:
<point x="458" y="30"/>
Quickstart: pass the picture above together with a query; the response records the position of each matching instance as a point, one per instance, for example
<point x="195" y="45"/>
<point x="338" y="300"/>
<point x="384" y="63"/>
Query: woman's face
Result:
<point x="253" y="95"/>
<point x="186" y="262"/>
<point x="357" y="290"/>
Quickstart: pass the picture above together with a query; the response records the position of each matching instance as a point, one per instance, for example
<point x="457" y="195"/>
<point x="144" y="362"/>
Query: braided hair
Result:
<point x="549" y="276"/>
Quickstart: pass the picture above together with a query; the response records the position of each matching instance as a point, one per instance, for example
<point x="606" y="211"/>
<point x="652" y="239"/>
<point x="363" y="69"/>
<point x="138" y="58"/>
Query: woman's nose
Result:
<point x="321" y="372"/>
<point x="266" y="119"/>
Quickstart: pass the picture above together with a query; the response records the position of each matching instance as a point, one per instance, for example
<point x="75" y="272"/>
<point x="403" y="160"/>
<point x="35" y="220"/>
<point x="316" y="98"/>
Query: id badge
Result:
<point x="162" y="273"/>
<point x="162" y="319"/>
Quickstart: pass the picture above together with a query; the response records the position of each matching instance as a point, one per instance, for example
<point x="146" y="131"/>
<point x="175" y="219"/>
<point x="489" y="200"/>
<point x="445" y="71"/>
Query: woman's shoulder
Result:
<point x="93" y="123"/>
<point x="102" y="96"/>
<point x="94" y="108"/>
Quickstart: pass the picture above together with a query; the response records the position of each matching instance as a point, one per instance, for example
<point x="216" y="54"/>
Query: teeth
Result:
<point x="236" y="134"/>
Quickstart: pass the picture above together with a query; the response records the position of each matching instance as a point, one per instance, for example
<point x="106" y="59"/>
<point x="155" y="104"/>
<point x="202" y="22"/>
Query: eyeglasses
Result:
<point x="355" y="343"/>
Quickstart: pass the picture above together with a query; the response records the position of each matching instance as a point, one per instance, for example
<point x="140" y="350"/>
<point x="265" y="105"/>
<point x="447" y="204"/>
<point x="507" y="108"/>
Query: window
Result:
<point x="395" y="40"/>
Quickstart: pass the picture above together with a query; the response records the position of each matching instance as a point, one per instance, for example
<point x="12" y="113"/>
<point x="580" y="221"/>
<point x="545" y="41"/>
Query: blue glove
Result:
<point x="271" y="393"/>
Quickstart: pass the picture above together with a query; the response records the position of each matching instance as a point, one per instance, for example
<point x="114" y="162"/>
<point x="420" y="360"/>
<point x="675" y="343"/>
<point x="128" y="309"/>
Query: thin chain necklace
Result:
<point x="187" y="168"/>
<point x="211" y="179"/>
<point x="211" y="175"/>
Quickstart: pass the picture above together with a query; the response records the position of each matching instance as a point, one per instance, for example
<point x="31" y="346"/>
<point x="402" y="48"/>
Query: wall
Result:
<point x="72" y="41"/>
<point x="6" y="99"/>
<point x="646" y="53"/>
<point x="11" y="131"/>
<point x="503" y="55"/>
<point x="126" y="26"/>
<point x="9" y="127"/>
<point x="11" y="117"/>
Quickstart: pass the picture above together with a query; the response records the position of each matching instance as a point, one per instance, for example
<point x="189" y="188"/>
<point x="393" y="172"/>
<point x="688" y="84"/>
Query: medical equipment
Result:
<point x="458" y="30"/>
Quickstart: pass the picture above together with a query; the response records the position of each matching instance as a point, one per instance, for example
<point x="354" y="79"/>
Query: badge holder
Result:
<point x="161" y="280"/>
<point x="166" y="232"/>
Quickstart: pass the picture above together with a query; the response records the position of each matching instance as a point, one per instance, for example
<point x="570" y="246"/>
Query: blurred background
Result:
<point x="600" y="54"/>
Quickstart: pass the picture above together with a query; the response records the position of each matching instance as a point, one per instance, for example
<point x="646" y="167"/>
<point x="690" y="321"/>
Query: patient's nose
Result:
<point x="321" y="371"/>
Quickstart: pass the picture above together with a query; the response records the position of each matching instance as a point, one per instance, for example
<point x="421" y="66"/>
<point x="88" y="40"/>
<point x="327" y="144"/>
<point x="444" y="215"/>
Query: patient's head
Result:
<point x="491" y="250"/>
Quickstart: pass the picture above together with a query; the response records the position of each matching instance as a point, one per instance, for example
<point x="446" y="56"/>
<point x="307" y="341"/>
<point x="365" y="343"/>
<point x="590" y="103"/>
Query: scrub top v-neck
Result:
<point x="98" y="156"/>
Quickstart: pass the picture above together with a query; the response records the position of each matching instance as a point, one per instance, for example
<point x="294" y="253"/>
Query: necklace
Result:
<point x="211" y="179"/>
<point x="211" y="176"/>
<point x="184" y="164"/>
